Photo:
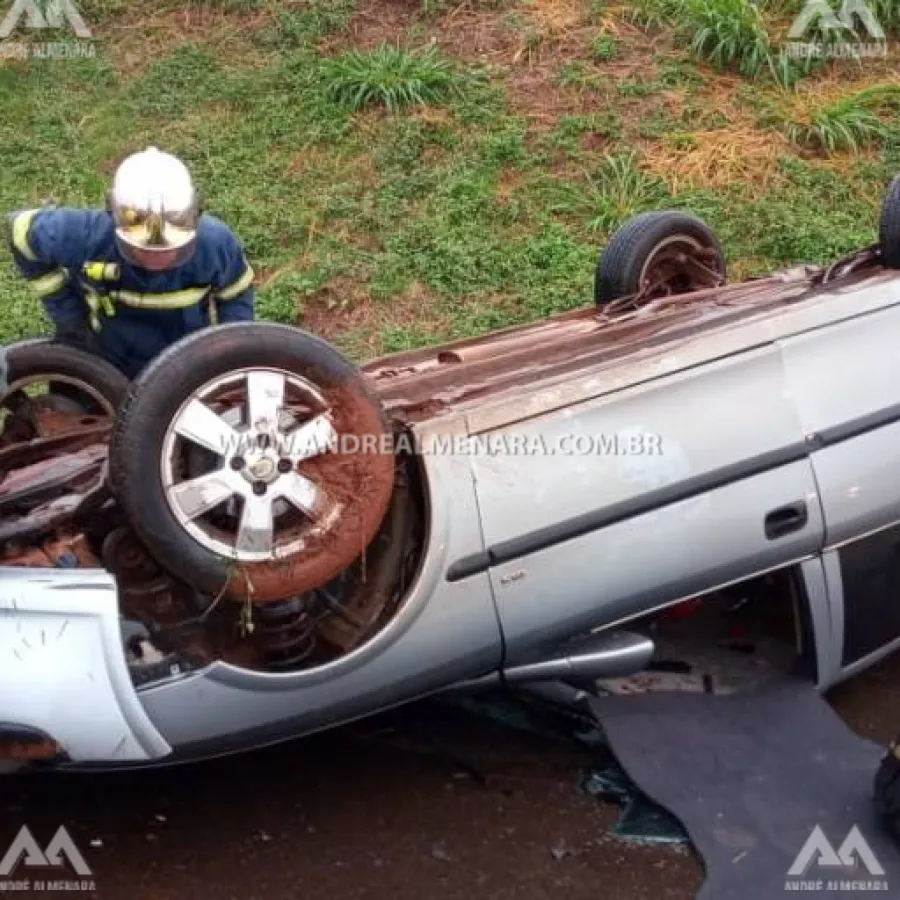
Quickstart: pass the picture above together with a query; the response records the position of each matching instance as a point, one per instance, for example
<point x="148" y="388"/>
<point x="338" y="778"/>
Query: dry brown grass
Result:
<point x="719" y="158"/>
<point x="557" y="16"/>
<point x="142" y="38"/>
<point x="814" y="93"/>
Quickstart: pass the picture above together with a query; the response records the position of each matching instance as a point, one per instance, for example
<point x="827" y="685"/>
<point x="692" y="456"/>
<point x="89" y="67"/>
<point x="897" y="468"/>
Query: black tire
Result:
<point x="623" y="263"/>
<point x="171" y="380"/>
<point x="890" y="226"/>
<point x="41" y="357"/>
<point x="887" y="792"/>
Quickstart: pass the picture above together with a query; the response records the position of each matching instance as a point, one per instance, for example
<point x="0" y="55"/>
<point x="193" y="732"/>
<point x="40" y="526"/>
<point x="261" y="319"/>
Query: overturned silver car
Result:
<point x="256" y="540"/>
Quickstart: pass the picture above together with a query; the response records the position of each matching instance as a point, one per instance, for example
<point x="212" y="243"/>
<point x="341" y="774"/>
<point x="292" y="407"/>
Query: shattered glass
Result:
<point x="641" y="820"/>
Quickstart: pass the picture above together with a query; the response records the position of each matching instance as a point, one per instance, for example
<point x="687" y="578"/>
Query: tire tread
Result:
<point x="620" y="264"/>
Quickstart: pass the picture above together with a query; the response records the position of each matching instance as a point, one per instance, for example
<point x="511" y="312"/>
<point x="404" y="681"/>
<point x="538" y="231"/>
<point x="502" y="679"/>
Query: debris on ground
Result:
<point x="641" y="821"/>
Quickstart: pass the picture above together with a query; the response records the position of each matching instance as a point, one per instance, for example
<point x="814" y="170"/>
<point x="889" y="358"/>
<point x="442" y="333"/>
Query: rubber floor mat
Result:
<point x="752" y="776"/>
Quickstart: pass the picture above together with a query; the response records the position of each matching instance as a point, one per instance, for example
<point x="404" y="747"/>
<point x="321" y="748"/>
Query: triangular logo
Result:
<point x="50" y="14"/>
<point x="818" y="850"/>
<point x="62" y="845"/>
<point x="26" y="846"/>
<point x="819" y="16"/>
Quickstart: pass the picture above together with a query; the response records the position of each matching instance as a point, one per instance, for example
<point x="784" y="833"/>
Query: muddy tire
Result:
<point x="890" y="226"/>
<point x="275" y="514"/>
<point x="887" y="792"/>
<point x="675" y="251"/>
<point x="37" y="359"/>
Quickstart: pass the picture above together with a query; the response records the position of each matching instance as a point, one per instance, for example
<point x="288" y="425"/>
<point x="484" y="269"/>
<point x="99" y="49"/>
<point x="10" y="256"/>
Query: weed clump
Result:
<point x="391" y="77"/>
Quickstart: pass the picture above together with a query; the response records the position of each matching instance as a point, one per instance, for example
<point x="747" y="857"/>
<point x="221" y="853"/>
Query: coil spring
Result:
<point x="286" y="633"/>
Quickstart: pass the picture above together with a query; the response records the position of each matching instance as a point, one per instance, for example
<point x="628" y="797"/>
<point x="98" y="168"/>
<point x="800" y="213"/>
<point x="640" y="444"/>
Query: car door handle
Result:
<point x="786" y="519"/>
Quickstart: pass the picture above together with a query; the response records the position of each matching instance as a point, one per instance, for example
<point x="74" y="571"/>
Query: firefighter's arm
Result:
<point x="233" y="290"/>
<point x="42" y="247"/>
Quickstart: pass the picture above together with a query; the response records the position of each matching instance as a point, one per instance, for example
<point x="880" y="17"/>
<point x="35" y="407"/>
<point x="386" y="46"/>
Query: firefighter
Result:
<point x="128" y="281"/>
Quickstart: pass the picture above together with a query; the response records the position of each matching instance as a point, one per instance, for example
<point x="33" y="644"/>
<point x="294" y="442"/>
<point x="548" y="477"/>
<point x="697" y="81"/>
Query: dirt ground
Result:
<point x="419" y="804"/>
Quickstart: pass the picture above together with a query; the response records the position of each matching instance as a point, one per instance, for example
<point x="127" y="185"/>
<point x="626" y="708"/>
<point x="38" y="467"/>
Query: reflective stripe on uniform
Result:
<point x="49" y="284"/>
<point x="172" y="300"/>
<point x="98" y="303"/>
<point x="93" y="301"/>
<point x="20" y="228"/>
<point x="236" y="288"/>
<point x="102" y="271"/>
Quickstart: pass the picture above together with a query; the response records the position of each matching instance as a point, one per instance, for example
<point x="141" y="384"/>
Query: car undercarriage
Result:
<point x="57" y="510"/>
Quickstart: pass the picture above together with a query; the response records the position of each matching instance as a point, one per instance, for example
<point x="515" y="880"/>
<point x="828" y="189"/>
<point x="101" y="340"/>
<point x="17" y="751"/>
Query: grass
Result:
<point x="729" y="33"/>
<point x="887" y="12"/>
<point x="851" y="121"/>
<point x="391" y="77"/>
<point x="732" y="35"/>
<point x="619" y="189"/>
<point x="393" y="191"/>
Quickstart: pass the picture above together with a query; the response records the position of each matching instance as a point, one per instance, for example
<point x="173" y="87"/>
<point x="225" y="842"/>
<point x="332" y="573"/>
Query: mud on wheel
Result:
<point x="657" y="254"/>
<point x="253" y="460"/>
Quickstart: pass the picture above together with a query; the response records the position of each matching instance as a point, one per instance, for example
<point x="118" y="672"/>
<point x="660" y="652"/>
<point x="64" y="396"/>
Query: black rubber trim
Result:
<point x="856" y="427"/>
<point x="469" y="565"/>
<point x="542" y="538"/>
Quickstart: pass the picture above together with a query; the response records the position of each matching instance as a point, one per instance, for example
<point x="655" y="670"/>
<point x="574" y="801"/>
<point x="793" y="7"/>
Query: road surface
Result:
<point x="413" y="806"/>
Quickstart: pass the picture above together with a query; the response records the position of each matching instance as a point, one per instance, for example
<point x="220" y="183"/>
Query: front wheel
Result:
<point x="252" y="460"/>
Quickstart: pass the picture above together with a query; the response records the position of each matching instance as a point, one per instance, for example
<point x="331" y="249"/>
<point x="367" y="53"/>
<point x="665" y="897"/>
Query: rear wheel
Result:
<point x="48" y="389"/>
<point x="252" y="459"/>
<point x="658" y="254"/>
<point x="890" y="226"/>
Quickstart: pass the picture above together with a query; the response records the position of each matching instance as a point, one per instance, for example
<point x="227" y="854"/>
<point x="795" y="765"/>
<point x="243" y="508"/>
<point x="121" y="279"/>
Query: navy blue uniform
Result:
<point x="72" y="263"/>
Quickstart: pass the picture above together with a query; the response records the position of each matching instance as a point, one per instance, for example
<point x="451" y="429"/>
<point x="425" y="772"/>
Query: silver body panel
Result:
<point x="525" y="549"/>
<point x="660" y="547"/>
<point x="844" y="381"/>
<point x="64" y="670"/>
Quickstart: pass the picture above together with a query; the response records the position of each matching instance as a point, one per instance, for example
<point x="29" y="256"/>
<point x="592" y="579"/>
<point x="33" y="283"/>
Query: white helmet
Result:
<point x="155" y="207"/>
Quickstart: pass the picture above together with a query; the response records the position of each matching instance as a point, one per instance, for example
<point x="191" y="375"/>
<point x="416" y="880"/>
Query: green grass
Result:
<point x="391" y="77"/>
<point x="731" y="35"/>
<point x="854" y="121"/>
<point x="843" y="125"/>
<point x="410" y="193"/>
<point x="619" y="189"/>
<point x="887" y="12"/>
<point x="605" y="47"/>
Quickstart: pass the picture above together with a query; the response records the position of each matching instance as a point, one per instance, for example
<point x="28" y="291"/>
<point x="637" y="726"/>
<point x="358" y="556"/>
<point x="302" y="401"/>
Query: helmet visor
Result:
<point x="156" y="258"/>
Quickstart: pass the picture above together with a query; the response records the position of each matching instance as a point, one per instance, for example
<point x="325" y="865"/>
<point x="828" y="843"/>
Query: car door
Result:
<point x="619" y="504"/>
<point x="845" y="380"/>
